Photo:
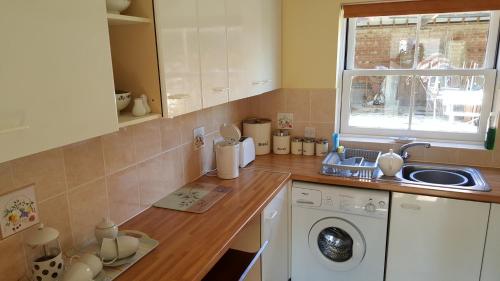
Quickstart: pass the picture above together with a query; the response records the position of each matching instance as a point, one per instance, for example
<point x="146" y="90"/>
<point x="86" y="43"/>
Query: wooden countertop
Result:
<point x="191" y="244"/>
<point x="306" y="168"/>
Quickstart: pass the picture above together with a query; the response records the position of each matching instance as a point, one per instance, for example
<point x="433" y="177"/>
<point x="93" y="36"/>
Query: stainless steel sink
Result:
<point x="443" y="176"/>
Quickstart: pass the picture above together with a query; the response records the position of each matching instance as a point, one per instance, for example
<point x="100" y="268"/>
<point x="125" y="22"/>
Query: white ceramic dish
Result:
<point x="122" y="99"/>
<point x="117" y="6"/>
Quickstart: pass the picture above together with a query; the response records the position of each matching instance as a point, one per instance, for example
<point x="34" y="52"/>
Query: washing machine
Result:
<point x="338" y="233"/>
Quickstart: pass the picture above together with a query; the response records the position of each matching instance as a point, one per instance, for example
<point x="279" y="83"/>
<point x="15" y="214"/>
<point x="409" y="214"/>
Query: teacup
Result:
<point x="118" y="248"/>
<point x="78" y="272"/>
<point x="93" y="262"/>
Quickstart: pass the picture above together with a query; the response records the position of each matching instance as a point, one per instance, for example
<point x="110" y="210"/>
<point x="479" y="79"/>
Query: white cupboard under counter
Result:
<point x="435" y="239"/>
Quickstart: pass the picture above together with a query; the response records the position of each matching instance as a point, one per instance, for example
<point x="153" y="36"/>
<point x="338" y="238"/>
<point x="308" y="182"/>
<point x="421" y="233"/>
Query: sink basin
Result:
<point x="443" y="176"/>
<point x="438" y="177"/>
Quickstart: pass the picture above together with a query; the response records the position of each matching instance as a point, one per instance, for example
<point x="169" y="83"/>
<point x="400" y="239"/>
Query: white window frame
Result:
<point x="488" y="71"/>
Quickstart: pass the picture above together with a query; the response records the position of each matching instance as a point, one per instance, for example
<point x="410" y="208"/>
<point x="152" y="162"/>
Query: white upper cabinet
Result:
<point x="55" y="74"/>
<point x="213" y="52"/>
<point x="254" y="47"/>
<point x="178" y="55"/>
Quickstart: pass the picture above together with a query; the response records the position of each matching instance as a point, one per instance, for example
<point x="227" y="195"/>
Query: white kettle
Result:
<point x="390" y="163"/>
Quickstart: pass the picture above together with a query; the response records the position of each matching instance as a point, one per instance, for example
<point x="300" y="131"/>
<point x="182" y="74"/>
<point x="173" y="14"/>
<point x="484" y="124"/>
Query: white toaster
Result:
<point x="247" y="151"/>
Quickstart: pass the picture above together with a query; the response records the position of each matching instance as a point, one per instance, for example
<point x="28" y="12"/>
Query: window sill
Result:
<point x="434" y="143"/>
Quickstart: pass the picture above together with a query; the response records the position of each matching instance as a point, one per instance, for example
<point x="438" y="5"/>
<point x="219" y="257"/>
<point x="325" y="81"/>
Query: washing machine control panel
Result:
<point x="348" y="200"/>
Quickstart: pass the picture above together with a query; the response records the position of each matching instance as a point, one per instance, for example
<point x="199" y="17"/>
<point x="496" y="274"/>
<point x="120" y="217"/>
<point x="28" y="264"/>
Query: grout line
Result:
<point x="108" y="211"/>
<point x="67" y="200"/>
<point x="52" y="197"/>
<point x="86" y="183"/>
<point x="309" y="95"/>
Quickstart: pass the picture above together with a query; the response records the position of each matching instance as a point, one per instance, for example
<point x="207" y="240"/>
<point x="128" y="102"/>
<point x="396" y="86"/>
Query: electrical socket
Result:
<point x="198" y="138"/>
<point x="310" y="132"/>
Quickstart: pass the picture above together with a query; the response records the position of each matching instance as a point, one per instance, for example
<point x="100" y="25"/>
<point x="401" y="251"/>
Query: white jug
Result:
<point x="390" y="163"/>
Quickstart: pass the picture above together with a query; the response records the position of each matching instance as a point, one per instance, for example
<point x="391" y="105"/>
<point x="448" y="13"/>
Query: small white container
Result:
<point x="308" y="146"/>
<point x="139" y="109"/>
<point x="281" y="142"/>
<point x="260" y="131"/>
<point x="321" y="147"/>
<point x="296" y="146"/>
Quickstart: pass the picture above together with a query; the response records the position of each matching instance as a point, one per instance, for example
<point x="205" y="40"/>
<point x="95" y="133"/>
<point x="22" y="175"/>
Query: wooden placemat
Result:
<point x="193" y="197"/>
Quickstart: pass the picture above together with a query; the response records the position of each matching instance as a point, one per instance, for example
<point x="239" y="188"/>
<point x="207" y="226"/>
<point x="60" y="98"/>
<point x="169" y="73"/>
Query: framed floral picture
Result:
<point x="18" y="210"/>
<point x="285" y="120"/>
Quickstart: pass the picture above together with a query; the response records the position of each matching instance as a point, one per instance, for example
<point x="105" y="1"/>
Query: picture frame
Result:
<point x="18" y="210"/>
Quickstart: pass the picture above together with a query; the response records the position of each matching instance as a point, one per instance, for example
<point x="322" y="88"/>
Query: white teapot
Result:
<point x="390" y="163"/>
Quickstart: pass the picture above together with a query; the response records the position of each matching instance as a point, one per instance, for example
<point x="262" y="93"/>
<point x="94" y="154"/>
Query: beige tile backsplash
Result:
<point x="310" y="107"/>
<point x="116" y="175"/>
<point x="316" y="108"/>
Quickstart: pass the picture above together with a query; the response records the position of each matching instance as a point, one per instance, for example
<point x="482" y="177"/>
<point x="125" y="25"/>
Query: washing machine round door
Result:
<point x="337" y="243"/>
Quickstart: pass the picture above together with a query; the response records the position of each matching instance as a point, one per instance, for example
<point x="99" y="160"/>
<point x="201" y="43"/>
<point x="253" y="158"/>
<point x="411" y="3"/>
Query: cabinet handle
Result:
<point x="254" y="260"/>
<point x="273" y="215"/>
<point x="179" y="97"/>
<point x="413" y="207"/>
<point x="302" y="201"/>
<point x="220" y="89"/>
<point x="15" y="129"/>
<point x="260" y="82"/>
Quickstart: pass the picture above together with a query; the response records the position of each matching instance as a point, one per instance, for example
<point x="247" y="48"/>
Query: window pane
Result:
<point x="448" y="103"/>
<point x="450" y="41"/>
<point x="385" y="42"/>
<point x="380" y="102"/>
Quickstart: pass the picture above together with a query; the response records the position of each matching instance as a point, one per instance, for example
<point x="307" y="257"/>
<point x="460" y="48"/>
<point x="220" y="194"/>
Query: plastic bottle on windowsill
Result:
<point x="489" y="143"/>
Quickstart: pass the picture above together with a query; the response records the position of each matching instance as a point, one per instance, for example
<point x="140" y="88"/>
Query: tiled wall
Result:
<point x="116" y="175"/>
<point x="310" y="107"/>
<point x="316" y="108"/>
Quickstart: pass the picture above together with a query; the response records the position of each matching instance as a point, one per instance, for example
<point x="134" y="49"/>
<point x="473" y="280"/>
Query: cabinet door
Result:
<point x="213" y="52"/>
<point x="254" y="46"/>
<point x="491" y="260"/>
<point x="178" y="55"/>
<point x="275" y="230"/>
<point x="270" y="64"/>
<point x="55" y="73"/>
<point x="435" y="239"/>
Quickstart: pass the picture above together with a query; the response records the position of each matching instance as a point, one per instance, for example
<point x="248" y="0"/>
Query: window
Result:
<point x="427" y="76"/>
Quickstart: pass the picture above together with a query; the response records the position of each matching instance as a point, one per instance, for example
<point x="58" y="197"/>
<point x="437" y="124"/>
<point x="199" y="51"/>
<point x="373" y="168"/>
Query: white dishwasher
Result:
<point x="435" y="239"/>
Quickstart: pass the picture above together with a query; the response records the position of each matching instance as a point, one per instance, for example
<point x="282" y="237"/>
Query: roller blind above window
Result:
<point x="412" y="7"/>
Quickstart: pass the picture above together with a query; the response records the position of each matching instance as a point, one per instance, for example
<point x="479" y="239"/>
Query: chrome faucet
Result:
<point x="404" y="154"/>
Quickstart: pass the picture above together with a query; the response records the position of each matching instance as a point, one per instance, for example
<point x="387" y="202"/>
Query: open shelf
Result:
<point x="230" y="267"/>
<point x="126" y="118"/>
<point x="116" y="19"/>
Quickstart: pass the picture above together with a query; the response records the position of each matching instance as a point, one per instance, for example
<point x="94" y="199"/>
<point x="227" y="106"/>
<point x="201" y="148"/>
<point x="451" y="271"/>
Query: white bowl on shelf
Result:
<point x="122" y="99"/>
<point x="117" y="6"/>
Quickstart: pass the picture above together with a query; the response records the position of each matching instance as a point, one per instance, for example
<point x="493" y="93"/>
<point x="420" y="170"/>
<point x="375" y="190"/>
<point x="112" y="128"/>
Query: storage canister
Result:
<point x="260" y="130"/>
<point x="281" y="142"/>
<point x="321" y="147"/>
<point x="296" y="146"/>
<point x="308" y="146"/>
